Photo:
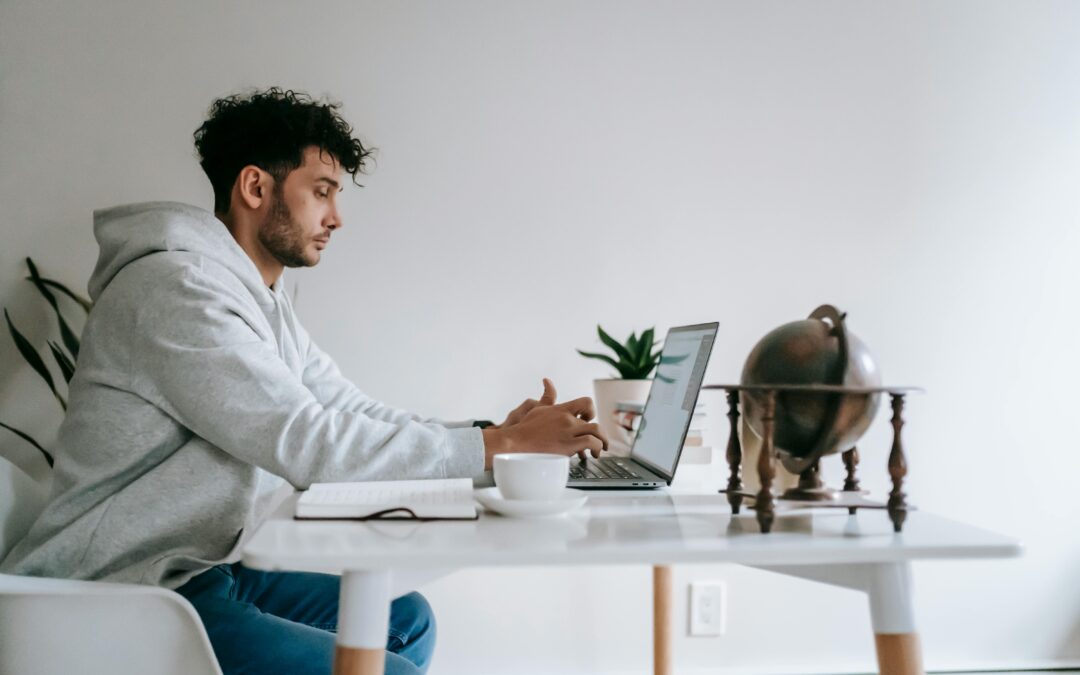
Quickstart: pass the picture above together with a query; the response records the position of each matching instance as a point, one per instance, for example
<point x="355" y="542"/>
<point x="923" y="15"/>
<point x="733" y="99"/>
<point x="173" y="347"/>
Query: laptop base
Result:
<point x="612" y="473"/>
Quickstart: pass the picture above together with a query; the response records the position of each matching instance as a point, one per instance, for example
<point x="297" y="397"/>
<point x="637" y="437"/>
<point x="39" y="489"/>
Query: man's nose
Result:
<point x="335" y="220"/>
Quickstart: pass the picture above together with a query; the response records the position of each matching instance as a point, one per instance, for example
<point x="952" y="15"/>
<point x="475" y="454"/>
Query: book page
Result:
<point x="427" y="498"/>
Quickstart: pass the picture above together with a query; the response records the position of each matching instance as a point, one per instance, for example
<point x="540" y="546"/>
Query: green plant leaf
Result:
<point x="643" y="358"/>
<point x="647" y="340"/>
<point x="603" y="357"/>
<point x="620" y="351"/>
<point x="83" y="302"/>
<point x="635" y="373"/>
<point x="26" y="437"/>
<point x="632" y="347"/>
<point x="71" y="341"/>
<point x="31" y="356"/>
<point x="67" y="368"/>
<point x="627" y="372"/>
<point x="679" y="358"/>
<point x="649" y="364"/>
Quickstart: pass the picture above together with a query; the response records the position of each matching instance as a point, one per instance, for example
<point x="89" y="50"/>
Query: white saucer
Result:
<point x="569" y="500"/>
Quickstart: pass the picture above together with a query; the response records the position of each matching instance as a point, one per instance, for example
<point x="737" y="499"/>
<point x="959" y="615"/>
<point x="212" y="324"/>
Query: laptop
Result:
<point x="665" y="421"/>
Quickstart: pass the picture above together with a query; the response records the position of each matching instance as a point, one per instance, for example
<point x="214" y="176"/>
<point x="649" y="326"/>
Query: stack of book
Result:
<point x="628" y="415"/>
<point x="694" y="449"/>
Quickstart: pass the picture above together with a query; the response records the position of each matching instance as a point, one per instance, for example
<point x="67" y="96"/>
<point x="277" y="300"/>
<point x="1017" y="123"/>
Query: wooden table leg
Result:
<point x="898" y="653"/>
<point x="363" y="623"/>
<point x="662" y="653"/>
<point x="350" y="660"/>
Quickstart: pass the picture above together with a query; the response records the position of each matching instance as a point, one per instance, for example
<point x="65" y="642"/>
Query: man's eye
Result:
<point x="324" y="194"/>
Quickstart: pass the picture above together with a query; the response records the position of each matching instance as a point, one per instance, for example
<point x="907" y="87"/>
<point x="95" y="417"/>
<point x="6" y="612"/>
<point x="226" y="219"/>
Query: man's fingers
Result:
<point x="582" y="407"/>
<point x="548" y="398"/>
<point x="587" y="443"/>
<point x="592" y="429"/>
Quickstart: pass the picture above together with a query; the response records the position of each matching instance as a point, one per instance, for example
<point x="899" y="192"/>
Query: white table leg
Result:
<point x="888" y="588"/>
<point x="363" y="623"/>
<point x="893" y="618"/>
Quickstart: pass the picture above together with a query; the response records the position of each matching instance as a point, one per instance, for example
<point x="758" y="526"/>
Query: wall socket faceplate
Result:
<point x="708" y="608"/>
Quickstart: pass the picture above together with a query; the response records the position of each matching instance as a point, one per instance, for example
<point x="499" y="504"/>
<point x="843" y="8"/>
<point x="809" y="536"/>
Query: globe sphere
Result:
<point x="817" y="350"/>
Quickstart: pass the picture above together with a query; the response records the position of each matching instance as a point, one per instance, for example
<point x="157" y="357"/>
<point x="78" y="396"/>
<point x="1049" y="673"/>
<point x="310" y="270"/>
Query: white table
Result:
<point x="381" y="561"/>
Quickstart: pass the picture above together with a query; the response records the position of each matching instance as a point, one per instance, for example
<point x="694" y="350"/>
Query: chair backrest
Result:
<point x="60" y="626"/>
<point x="22" y="496"/>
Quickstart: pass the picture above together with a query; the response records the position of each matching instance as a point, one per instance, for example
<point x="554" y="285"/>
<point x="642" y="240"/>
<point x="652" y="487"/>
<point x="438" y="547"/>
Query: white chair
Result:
<point x="60" y="627"/>
<point x="66" y="627"/>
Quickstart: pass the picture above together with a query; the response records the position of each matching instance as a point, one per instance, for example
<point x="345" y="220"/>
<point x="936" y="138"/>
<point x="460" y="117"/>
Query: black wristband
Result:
<point x="483" y="424"/>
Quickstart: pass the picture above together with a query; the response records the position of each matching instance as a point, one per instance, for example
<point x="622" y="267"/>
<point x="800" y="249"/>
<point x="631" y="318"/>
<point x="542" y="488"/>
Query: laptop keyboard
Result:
<point x="603" y="468"/>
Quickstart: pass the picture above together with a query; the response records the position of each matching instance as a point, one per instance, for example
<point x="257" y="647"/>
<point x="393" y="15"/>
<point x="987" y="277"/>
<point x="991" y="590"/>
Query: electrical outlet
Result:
<point x="708" y="608"/>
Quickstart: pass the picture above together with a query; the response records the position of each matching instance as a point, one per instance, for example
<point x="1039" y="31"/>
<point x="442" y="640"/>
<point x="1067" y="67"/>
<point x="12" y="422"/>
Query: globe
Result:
<point x="815" y="351"/>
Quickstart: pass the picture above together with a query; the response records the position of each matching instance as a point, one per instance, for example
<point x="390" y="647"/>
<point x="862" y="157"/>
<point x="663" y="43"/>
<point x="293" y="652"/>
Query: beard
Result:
<point x="283" y="237"/>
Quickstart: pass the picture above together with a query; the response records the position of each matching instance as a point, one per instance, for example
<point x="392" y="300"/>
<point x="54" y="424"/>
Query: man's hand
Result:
<point x="518" y="413"/>
<point x="543" y="426"/>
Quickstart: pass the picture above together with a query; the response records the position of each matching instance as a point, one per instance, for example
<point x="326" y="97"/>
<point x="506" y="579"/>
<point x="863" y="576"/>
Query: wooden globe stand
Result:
<point x="811" y="492"/>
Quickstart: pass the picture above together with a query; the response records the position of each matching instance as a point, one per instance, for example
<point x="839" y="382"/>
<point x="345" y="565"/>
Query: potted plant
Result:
<point x="64" y="353"/>
<point x="634" y="360"/>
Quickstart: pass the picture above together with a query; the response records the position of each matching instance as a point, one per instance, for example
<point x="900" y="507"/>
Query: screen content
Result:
<point x="672" y="396"/>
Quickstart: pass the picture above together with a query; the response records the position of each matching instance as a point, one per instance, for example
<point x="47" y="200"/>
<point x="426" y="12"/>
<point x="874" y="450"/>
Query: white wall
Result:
<point x="917" y="164"/>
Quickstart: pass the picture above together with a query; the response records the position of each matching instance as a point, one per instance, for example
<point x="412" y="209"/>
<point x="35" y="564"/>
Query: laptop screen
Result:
<point x="672" y="397"/>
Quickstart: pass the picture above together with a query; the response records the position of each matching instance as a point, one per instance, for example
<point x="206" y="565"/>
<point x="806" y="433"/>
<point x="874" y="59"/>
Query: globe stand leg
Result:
<point x="766" y="469"/>
<point x="810" y="488"/>
<point x="734" y="453"/>
<point x="851" y="483"/>
<point x="897" y="504"/>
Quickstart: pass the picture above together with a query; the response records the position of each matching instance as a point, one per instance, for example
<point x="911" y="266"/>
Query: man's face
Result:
<point x="303" y="211"/>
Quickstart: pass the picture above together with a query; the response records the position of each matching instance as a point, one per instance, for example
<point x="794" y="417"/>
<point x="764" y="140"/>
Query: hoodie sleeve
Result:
<point x="334" y="390"/>
<point x="203" y="356"/>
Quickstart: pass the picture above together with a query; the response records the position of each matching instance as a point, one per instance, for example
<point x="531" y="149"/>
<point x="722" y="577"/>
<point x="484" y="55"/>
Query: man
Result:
<point x="198" y="395"/>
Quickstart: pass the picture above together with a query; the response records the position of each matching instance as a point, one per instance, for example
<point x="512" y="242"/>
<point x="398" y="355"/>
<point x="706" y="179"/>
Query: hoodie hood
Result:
<point x="129" y="232"/>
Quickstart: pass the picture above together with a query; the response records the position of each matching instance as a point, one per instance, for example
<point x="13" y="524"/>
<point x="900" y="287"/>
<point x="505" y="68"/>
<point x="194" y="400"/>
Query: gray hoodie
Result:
<point x="197" y="395"/>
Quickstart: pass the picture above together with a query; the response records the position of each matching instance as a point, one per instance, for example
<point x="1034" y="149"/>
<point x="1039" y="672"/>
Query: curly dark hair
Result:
<point x="270" y="129"/>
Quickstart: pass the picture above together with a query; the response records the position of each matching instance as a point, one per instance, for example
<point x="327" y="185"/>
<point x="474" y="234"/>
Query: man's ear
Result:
<point x="253" y="186"/>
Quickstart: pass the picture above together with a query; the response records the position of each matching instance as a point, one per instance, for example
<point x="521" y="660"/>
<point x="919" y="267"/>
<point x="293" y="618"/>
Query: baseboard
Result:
<point x="953" y="668"/>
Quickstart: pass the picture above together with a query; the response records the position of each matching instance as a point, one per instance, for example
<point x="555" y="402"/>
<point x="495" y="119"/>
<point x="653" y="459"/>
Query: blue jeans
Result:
<point x="285" y="622"/>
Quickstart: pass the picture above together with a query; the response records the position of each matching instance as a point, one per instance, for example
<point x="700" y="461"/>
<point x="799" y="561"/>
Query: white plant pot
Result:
<point x="607" y="394"/>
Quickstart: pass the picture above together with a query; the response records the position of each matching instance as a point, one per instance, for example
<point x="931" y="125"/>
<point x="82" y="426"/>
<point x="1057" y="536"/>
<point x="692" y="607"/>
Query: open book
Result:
<point x="440" y="499"/>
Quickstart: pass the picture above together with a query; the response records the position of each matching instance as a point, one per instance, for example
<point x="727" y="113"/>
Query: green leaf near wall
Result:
<point x="33" y="358"/>
<point x="71" y="341"/>
<point x="26" y="437"/>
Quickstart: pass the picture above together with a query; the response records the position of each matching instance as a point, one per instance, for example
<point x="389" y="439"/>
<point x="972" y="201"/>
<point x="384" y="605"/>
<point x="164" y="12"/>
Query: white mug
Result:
<point x="532" y="476"/>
